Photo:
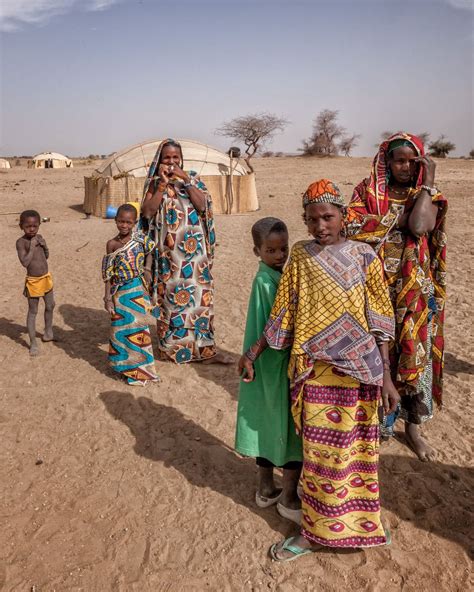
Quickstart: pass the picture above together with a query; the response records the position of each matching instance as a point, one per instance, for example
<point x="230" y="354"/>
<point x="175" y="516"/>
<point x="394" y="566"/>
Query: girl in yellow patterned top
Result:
<point x="333" y="310"/>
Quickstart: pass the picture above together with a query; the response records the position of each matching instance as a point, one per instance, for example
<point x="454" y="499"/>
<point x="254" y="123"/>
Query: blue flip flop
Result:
<point x="288" y="546"/>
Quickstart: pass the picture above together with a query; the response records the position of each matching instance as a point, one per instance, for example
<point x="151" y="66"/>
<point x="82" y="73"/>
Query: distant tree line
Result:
<point x="327" y="139"/>
<point x="439" y="148"/>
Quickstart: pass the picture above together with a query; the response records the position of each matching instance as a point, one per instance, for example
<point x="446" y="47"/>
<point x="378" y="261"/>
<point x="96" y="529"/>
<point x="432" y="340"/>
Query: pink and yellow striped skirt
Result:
<point x="340" y="429"/>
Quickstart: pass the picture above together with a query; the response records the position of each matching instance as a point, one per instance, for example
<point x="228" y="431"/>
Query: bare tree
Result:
<point x="441" y="147"/>
<point x="326" y="132"/>
<point x="347" y="144"/>
<point x="253" y="130"/>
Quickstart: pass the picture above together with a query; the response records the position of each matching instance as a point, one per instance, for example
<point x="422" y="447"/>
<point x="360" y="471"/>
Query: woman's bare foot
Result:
<point x="34" y="351"/>
<point x="219" y="358"/>
<point x="47" y="336"/>
<point x="416" y="442"/>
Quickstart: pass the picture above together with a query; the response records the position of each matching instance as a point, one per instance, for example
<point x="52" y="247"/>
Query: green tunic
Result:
<point x="265" y="425"/>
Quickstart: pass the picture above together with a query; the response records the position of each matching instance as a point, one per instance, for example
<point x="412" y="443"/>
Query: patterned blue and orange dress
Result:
<point x="130" y="349"/>
<point x="183" y="282"/>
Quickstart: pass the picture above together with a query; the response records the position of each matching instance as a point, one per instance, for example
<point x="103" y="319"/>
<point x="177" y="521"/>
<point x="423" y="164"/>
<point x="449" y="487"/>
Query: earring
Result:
<point x="343" y="230"/>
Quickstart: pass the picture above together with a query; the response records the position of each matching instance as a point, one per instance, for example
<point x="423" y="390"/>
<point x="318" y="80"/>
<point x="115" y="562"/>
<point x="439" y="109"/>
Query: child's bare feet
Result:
<point x="289" y="498"/>
<point x="34" y="351"/>
<point x="47" y="336"/>
<point x="266" y="483"/>
<point x="416" y="442"/>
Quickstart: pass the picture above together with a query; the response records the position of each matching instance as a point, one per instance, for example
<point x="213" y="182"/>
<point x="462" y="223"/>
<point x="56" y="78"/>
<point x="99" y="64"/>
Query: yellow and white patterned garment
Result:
<point x="331" y="309"/>
<point x="332" y="304"/>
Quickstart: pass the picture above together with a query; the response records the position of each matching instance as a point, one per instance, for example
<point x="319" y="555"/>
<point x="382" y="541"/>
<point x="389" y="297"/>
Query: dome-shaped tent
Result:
<point x="50" y="160"/>
<point x="4" y="164"/>
<point x="120" y="178"/>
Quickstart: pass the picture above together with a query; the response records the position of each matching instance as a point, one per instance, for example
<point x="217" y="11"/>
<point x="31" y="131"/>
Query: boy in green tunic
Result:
<point x="265" y="428"/>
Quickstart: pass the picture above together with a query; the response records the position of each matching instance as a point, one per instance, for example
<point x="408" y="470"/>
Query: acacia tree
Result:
<point x="441" y="147"/>
<point x="253" y="130"/>
<point x="326" y="133"/>
<point x="346" y="145"/>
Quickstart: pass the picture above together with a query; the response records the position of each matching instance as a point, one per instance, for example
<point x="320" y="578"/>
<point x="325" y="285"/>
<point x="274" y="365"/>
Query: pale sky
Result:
<point x="94" y="76"/>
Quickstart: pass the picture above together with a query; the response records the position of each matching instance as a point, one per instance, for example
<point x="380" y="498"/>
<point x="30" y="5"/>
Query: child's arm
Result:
<point x="390" y="396"/>
<point x="42" y="243"/>
<point x="26" y="250"/>
<point x="246" y="369"/>
<point x="108" y="302"/>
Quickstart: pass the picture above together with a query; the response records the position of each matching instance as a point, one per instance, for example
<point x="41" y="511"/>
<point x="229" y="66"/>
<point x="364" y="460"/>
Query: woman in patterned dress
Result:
<point x="399" y="211"/>
<point x="178" y="209"/>
<point x="333" y="311"/>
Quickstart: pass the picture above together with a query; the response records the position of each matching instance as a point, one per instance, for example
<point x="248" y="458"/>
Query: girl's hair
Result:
<point x="127" y="208"/>
<point x="264" y="227"/>
<point x="29" y="214"/>
<point x="174" y="145"/>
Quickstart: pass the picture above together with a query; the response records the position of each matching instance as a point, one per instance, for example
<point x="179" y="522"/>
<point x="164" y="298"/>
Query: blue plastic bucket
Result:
<point x="111" y="212"/>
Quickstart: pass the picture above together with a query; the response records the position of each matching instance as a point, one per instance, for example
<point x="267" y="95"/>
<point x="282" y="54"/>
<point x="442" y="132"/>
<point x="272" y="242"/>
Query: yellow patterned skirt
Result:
<point x="340" y="430"/>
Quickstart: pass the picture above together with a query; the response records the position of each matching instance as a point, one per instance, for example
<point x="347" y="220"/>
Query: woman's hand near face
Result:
<point x="178" y="172"/>
<point x="164" y="173"/>
<point x="429" y="168"/>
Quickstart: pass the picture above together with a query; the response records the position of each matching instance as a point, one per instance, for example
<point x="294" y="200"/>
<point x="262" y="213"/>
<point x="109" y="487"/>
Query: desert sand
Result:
<point x="111" y="487"/>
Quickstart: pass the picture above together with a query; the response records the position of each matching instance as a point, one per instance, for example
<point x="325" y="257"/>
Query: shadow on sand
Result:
<point x="455" y="366"/>
<point x="433" y="496"/>
<point x="164" y="434"/>
<point x="223" y="375"/>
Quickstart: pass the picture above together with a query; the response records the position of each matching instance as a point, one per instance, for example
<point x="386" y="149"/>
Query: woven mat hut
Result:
<point x="120" y="178"/>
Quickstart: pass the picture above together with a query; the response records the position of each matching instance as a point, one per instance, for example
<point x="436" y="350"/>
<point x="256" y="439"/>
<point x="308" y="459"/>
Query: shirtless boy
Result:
<point x="33" y="254"/>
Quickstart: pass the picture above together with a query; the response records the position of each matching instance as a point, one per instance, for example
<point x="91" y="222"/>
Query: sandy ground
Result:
<point x="110" y="487"/>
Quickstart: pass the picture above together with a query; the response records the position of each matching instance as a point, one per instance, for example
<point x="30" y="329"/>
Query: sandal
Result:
<point x="266" y="502"/>
<point x="288" y="546"/>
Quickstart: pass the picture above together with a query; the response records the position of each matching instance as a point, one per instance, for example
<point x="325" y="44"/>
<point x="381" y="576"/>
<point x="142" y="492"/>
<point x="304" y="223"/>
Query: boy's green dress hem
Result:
<point x="265" y="425"/>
